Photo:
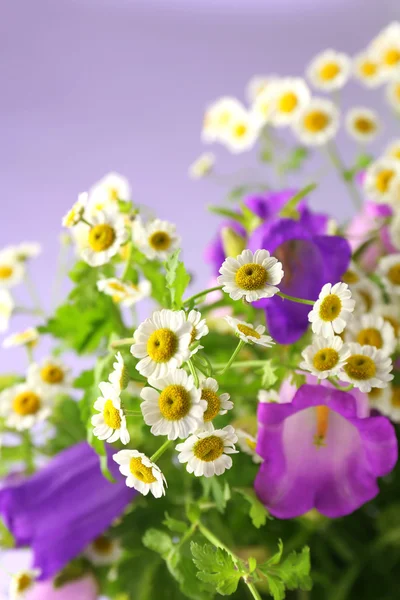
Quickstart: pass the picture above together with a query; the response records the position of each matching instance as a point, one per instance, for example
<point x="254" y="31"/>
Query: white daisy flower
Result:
<point x="107" y="191"/>
<point x="199" y="328"/>
<point x="103" y="551"/>
<point x="329" y="70"/>
<point x="23" y="405"/>
<point x="104" y="238"/>
<point x="141" y="474"/>
<point x="393" y="150"/>
<point x="367" y="69"/>
<point x="6" y="308"/>
<point x="29" y="337"/>
<point x="26" y="250"/>
<point x="51" y="374"/>
<point x="177" y="409"/>
<point x="162" y="343"/>
<point x="367" y="368"/>
<point x="372" y="330"/>
<point x="218" y="117"/>
<point x="367" y="295"/>
<point x="394" y="231"/>
<point x="353" y="275"/>
<point x="387" y="401"/>
<point x="124" y="293"/>
<point x="332" y="311"/>
<point x="12" y="270"/>
<point x="379" y="179"/>
<point x="241" y="134"/>
<point x="386" y="48"/>
<point x="202" y="166"/>
<point x="157" y="239"/>
<point x="75" y="213"/>
<point x="291" y="95"/>
<point x="317" y="122"/>
<point x="258" y="85"/>
<point x="247" y="444"/>
<point x="389" y="272"/>
<point x="325" y="357"/>
<point x="250" y="334"/>
<point x="22" y="582"/>
<point x="217" y="404"/>
<point x="110" y="423"/>
<point x="119" y="377"/>
<point x="207" y="453"/>
<point x="362" y="124"/>
<point x="393" y="94"/>
<point x="263" y="106"/>
<point x="252" y="276"/>
<point x="391" y="314"/>
<point x="268" y="396"/>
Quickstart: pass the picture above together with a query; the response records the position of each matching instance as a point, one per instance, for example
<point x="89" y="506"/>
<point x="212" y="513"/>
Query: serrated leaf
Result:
<point x="292" y="573"/>
<point x="175" y="524"/>
<point x="217" y="567"/>
<point x="177" y="278"/>
<point x="268" y="376"/>
<point x="257" y="512"/>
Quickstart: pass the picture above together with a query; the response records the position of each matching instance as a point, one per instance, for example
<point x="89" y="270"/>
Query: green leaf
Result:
<point x="257" y="513"/>
<point x="152" y="272"/>
<point x="269" y="375"/>
<point x="6" y="537"/>
<point x="175" y="524"/>
<point x="266" y="155"/>
<point x="252" y="564"/>
<point x="290" y="211"/>
<point x="217" y="567"/>
<point x="290" y="574"/>
<point x="219" y="491"/>
<point x="177" y="278"/>
<point x="158" y="541"/>
<point x="84" y="380"/>
<point x="295" y="160"/>
<point x="225" y="212"/>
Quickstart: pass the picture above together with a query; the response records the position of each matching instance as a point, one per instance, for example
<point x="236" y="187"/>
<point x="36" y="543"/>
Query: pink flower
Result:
<point x="82" y="589"/>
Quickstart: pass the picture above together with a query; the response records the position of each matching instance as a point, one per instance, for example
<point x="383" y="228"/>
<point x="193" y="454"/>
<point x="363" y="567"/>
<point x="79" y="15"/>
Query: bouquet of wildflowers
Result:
<point x="232" y="442"/>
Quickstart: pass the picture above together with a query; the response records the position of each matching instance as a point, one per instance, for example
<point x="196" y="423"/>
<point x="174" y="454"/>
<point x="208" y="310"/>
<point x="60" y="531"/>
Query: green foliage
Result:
<point x="290" y="574"/>
<point x="258" y="513"/>
<point x="177" y="279"/>
<point x="216" y="567"/>
<point x="294" y="161"/>
<point x="362" y="162"/>
<point x="218" y="490"/>
<point x="6" y="538"/>
<point x="290" y="211"/>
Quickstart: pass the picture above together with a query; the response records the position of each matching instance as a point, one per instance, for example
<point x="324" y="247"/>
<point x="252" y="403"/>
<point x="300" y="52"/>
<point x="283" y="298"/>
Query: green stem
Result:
<point x="253" y="590"/>
<point x="346" y="388"/>
<point x="128" y="262"/>
<point x="27" y="445"/>
<point x="339" y="165"/>
<point x="203" y="293"/>
<point x="86" y="222"/>
<point x="242" y="364"/>
<point x="35" y="298"/>
<point x="160" y="451"/>
<point x="123" y="342"/>
<point x="294" y="299"/>
<point x="29" y="351"/>
<point x="193" y="371"/>
<point x="232" y="358"/>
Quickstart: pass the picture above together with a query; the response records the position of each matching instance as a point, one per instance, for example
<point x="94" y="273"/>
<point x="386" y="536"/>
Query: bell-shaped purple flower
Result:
<point x="63" y="507"/>
<point x="318" y="453"/>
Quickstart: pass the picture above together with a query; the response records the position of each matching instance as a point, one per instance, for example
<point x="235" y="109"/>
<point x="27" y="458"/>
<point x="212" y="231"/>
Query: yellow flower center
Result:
<point x="251" y="444"/>
<point x="383" y="179"/>
<point x="102" y="545"/>
<point x="367" y="298"/>
<point x="350" y="277"/>
<point x="26" y="403"/>
<point x="140" y="471"/>
<point x="394" y="274"/>
<point x="360" y="367"/>
<point x="240" y="130"/>
<point x="392" y="57"/>
<point x="316" y="121"/>
<point x="23" y="582"/>
<point x="368" y="68"/>
<point x="174" y="402"/>
<point x="248" y="331"/>
<point x="325" y="359"/>
<point x="330" y="308"/>
<point x="209" y="448"/>
<point x="251" y="277"/>
<point x="52" y="374"/>
<point x="162" y="345"/>
<point x="374" y="394"/>
<point x="5" y="272"/>
<point x="395" y="399"/>
<point x="329" y="71"/>
<point x="116" y="286"/>
<point x="394" y="323"/>
<point x="113" y="194"/>
<point x="364" y="125"/>
<point x="101" y="237"/>
<point x="370" y="337"/>
<point x="160" y="240"/>
<point x="288" y="102"/>
<point x="111" y="415"/>
<point x="213" y="404"/>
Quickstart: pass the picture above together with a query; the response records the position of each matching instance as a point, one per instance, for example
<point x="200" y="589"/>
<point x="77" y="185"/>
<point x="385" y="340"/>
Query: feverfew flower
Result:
<point x="107" y="191"/>
<point x="259" y="84"/>
<point x="123" y="292"/>
<point x="12" y="270"/>
<point x="250" y="334"/>
<point x="247" y="444"/>
<point x="29" y="337"/>
<point x="51" y="374"/>
<point x="317" y="122"/>
<point x="162" y="343"/>
<point x="379" y="179"/>
<point x="367" y="69"/>
<point x="393" y="94"/>
<point x="217" y="404"/>
<point x="242" y="132"/>
<point x="391" y="314"/>
<point x="373" y="330"/>
<point x="291" y="95"/>
<point x="22" y="582"/>
<point x="110" y="423"/>
<point x="387" y="401"/>
<point x="367" y="368"/>
<point x="268" y="396"/>
<point x="325" y="357"/>
<point x="263" y="106"/>
<point x="389" y="271"/>
<point x="218" y="117"/>
<point x="105" y="237"/>
<point x="6" y="309"/>
<point x="202" y="166"/>
<point x="103" y="551"/>
<point x="75" y="213"/>
<point x="207" y="453"/>
<point x="362" y="124"/>
<point x="199" y="328"/>
<point x="393" y="150"/>
<point x="177" y="409"/>
<point x="329" y="70"/>
<point x="367" y="295"/>
<point x="332" y="311"/>
<point x="23" y="405"/>
<point x="27" y="250"/>
<point x="119" y="377"/>
<point x="141" y="474"/>
<point x="157" y="239"/>
<point x="387" y="51"/>
<point x="252" y="276"/>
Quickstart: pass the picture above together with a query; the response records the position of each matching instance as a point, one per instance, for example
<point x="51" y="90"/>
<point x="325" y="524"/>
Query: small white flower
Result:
<point x="252" y="276"/>
<point x="353" y="276"/>
<point x="103" y="551"/>
<point x="26" y="250"/>
<point x="394" y="231"/>
<point x="386" y="48"/>
<point x="367" y="368"/>
<point x="317" y="123"/>
<point x="23" y="405"/>
<point x="329" y="70"/>
<point x="29" y="337"/>
<point x="291" y="95"/>
<point x="218" y="117"/>
<point x="367" y="69"/>
<point x="177" y="409"/>
<point x="247" y="444"/>
<point x="202" y="166"/>
<point x="6" y="308"/>
<point x="379" y="179"/>
<point x="387" y="401"/>
<point x="217" y="404"/>
<point x="141" y="474"/>
<point x="51" y="374"/>
<point x="207" y="453"/>
<point x="75" y="213"/>
<point x="250" y="334"/>
<point x="110" y="423"/>
<point x="12" y="270"/>
<point x="393" y="150"/>
<point x="325" y="357"/>
<point x="242" y="132"/>
<point x="22" y="582"/>
<point x="393" y="94"/>
<point x="162" y="343"/>
<point x="332" y="311"/>
<point x="391" y="314"/>
<point x="367" y="295"/>
<point x="104" y="238"/>
<point x="258" y="85"/>
<point x="199" y="329"/>
<point x="362" y="124"/>
<point x="106" y="193"/>
<point x="119" y="377"/>
<point x="263" y="106"/>
<point x="268" y="396"/>
<point x="389" y="271"/>
<point x="157" y="239"/>
<point x="124" y="293"/>
<point x="373" y="330"/>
